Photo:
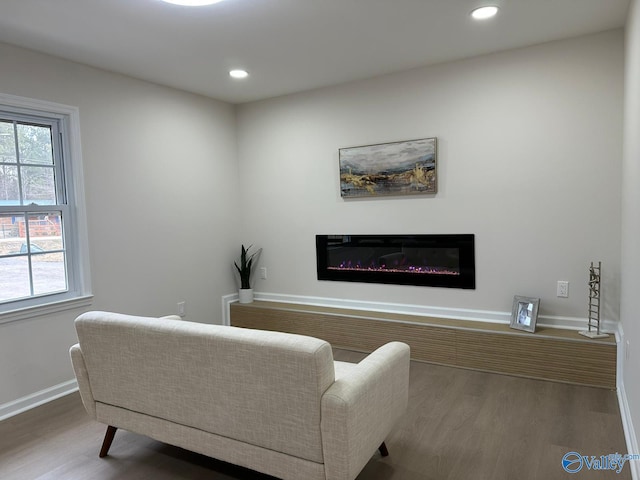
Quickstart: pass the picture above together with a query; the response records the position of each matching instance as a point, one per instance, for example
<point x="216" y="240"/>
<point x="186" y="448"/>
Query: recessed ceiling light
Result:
<point x="192" y="3"/>
<point x="238" y="74"/>
<point x="483" y="13"/>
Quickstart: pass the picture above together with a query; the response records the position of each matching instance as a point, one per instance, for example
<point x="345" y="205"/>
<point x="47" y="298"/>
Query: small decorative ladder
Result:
<point x="594" y="303"/>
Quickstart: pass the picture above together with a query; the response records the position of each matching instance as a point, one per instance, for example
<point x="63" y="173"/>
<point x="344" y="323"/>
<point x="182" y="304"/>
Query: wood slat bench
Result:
<point x="550" y="354"/>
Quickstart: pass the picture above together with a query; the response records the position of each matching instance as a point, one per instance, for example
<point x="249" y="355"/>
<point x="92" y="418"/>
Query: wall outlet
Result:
<point x="263" y="273"/>
<point x="182" y="309"/>
<point x="563" y="289"/>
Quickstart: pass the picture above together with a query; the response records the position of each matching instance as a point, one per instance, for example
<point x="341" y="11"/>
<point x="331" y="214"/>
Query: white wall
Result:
<point x="630" y="218"/>
<point x="529" y="160"/>
<point x="161" y="182"/>
<point x="520" y="133"/>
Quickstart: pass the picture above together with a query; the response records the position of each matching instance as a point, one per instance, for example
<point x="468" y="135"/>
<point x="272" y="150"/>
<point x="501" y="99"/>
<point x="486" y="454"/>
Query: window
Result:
<point x="42" y="240"/>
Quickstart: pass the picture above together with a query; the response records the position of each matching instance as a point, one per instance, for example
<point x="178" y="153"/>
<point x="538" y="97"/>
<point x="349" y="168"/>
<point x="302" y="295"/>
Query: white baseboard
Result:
<point x="625" y="412"/>
<point x="33" y="400"/>
<point x="552" y="321"/>
<point x="227" y="300"/>
<point x="629" y="432"/>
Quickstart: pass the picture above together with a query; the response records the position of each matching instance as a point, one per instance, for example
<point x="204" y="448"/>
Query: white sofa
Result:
<point x="270" y="401"/>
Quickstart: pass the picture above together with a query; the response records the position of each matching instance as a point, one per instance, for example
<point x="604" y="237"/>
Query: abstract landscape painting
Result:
<point x="397" y="168"/>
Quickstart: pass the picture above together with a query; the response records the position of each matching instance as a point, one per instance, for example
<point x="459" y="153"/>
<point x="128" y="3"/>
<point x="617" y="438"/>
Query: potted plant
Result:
<point x="245" y="293"/>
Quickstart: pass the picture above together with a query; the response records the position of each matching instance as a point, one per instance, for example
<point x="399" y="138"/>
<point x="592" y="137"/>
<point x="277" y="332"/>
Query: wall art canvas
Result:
<point x="397" y="168"/>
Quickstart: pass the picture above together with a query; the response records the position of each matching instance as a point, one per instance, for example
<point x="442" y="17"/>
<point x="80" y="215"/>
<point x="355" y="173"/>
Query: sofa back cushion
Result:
<point x="259" y="387"/>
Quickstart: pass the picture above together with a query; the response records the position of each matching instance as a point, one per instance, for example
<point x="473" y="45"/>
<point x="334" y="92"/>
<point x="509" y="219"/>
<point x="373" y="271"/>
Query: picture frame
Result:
<point x="524" y="313"/>
<point x="407" y="167"/>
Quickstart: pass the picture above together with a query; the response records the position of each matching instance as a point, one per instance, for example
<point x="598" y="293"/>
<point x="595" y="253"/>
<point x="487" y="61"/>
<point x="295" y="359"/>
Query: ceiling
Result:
<point x="287" y="45"/>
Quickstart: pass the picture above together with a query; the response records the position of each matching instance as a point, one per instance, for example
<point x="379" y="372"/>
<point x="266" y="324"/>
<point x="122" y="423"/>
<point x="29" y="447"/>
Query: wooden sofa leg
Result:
<point x="108" y="438"/>
<point x="383" y="450"/>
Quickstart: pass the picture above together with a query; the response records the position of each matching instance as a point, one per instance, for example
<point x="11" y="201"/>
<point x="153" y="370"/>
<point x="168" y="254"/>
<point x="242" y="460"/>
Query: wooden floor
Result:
<point x="460" y="424"/>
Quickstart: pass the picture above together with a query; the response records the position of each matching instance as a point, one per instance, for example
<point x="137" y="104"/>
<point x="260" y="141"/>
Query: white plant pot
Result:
<point x="245" y="295"/>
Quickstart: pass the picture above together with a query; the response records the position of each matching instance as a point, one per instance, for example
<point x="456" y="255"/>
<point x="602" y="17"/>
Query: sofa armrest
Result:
<point x="360" y="409"/>
<point x="82" y="376"/>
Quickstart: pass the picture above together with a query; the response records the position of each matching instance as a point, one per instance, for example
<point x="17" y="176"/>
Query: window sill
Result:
<point x="48" y="309"/>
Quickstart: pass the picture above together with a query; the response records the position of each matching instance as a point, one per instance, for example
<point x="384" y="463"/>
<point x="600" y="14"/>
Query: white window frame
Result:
<point x="79" y="293"/>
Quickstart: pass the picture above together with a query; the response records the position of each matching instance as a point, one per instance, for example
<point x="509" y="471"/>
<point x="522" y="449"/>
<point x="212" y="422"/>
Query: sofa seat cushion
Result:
<point x="342" y="368"/>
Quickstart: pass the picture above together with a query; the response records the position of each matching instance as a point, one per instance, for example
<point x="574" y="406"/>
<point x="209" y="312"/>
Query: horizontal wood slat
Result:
<point x="549" y="354"/>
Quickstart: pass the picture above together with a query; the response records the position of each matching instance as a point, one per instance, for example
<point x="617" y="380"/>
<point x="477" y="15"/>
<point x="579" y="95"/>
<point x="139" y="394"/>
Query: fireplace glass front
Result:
<point x="425" y="260"/>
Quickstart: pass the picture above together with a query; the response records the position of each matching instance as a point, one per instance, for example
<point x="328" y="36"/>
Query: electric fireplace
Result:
<point x="425" y="260"/>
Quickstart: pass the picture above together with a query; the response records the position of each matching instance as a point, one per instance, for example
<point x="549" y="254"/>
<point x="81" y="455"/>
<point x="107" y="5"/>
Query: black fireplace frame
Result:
<point x="465" y="243"/>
